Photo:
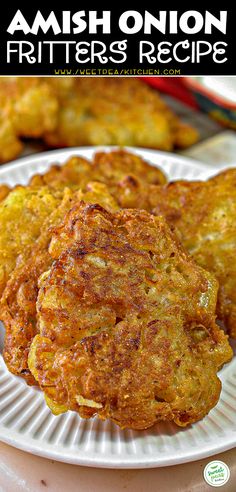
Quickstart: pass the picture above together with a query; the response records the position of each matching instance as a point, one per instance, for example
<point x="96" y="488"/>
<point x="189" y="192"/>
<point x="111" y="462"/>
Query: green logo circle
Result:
<point x="216" y="473"/>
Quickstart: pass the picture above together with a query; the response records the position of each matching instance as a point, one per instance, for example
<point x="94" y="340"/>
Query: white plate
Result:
<point x="27" y="423"/>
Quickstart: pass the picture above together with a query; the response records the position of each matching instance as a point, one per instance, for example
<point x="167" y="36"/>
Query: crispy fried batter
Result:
<point x="116" y="111"/>
<point x="116" y="165"/>
<point x="18" y="305"/>
<point x="131" y="180"/>
<point x="22" y="214"/>
<point x="75" y="173"/>
<point x="127" y="325"/>
<point x="204" y="214"/>
<point x="10" y="145"/>
<point x="29" y="108"/>
<point x="4" y="191"/>
<point x="69" y="111"/>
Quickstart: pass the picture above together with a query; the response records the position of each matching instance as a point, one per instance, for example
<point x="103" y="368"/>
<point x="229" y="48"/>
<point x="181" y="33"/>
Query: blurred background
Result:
<point x="209" y="104"/>
<point x="194" y="116"/>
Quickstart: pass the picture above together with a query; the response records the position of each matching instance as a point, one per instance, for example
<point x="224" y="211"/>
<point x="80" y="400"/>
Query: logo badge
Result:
<point x="216" y="473"/>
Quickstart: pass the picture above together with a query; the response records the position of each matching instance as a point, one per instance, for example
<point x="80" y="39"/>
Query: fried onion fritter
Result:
<point x="4" y="191"/>
<point x="10" y="144"/>
<point x="204" y="215"/>
<point x="19" y="298"/>
<point x="29" y="108"/>
<point x="22" y="214"/>
<point x="82" y="111"/>
<point x="115" y="111"/>
<point x="114" y="166"/>
<point x="18" y="304"/>
<point x="127" y="324"/>
<point x="130" y="179"/>
<point x="75" y="173"/>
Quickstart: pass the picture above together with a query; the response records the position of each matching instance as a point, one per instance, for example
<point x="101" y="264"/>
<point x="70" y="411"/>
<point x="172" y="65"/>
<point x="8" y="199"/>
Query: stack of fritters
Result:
<point x="125" y="319"/>
<point x="86" y="111"/>
<point x="19" y="298"/>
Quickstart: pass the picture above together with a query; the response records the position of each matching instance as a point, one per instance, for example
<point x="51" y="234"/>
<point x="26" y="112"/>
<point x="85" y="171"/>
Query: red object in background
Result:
<point x="173" y="86"/>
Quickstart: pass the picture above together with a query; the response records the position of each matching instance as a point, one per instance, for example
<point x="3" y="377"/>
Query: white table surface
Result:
<point x="22" y="472"/>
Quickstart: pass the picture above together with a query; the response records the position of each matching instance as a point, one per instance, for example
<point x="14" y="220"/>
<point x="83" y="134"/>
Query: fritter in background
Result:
<point x="65" y="112"/>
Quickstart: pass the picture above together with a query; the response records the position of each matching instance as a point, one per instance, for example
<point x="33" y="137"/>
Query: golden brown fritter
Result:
<point x="4" y="191"/>
<point x="10" y="145"/>
<point x="86" y="111"/>
<point x="22" y="214"/>
<point x="18" y="305"/>
<point x="204" y="214"/>
<point x="115" y="111"/>
<point x="75" y="173"/>
<point x="130" y="179"/>
<point x="127" y="324"/>
<point x="114" y="166"/>
<point x="28" y="108"/>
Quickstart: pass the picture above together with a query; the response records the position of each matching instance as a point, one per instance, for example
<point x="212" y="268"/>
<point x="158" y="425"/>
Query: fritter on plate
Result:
<point x="116" y="165"/>
<point x="131" y="180"/>
<point x="28" y="108"/>
<point x="4" y="191"/>
<point x="115" y="111"/>
<point x="127" y="323"/>
<point x="18" y="305"/>
<point x="22" y="214"/>
<point x="10" y="145"/>
<point x="204" y="214"/>
<point x="74" y="174"/>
